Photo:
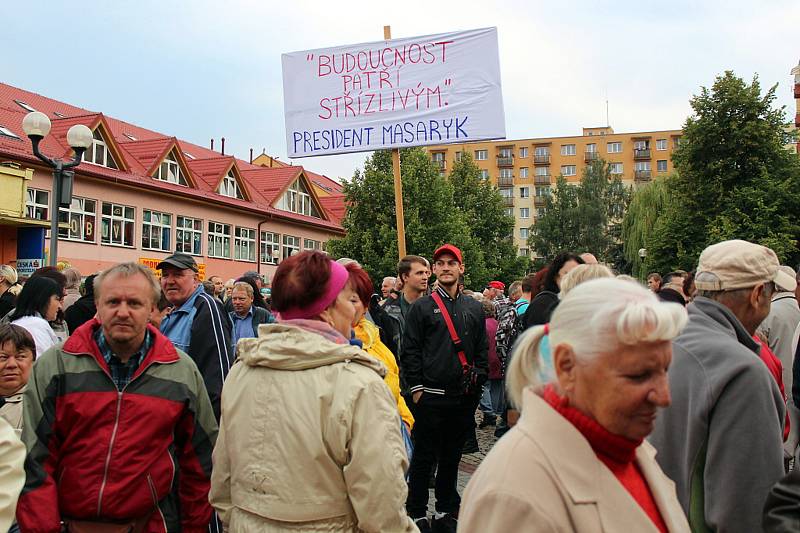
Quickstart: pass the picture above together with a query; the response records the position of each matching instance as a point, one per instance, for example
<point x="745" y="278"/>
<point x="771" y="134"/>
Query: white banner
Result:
<point x="26" y="267"/>
<point x="434" y="89"/>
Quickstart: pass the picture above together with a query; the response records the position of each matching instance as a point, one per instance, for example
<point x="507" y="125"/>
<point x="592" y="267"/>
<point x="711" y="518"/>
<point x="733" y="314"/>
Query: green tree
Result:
<point x="490" y="227"/>
<point x="735" y="178"/>
<point x="431" y="218"/>
<point x="646" y="208"/>
<point x="584" y="217"/>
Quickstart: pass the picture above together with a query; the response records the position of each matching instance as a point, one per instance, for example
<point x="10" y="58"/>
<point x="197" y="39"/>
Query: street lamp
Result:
<point x="36" y="126"/>
<point x="642" y="257"/>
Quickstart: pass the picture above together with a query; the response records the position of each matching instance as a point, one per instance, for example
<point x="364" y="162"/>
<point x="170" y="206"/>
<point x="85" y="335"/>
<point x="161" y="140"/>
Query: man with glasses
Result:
<point x="434" y="367"/>
<point x="721" y="439"/>
<point x="197" y="324"/>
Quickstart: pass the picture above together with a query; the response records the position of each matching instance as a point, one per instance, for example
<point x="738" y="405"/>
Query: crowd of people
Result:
<point x="314" y="403"/>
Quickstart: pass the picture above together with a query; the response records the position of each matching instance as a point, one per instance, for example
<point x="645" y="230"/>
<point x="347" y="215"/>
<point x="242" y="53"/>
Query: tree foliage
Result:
<point x="647" y="206"/>
<point x="434" y="214"/>
<point x="735" y="178"/>
<point x="584" y="217"/>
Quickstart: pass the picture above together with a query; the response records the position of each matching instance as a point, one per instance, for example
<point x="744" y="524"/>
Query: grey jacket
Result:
<point x="721" y="439"/>
<point x="778" y="330"/>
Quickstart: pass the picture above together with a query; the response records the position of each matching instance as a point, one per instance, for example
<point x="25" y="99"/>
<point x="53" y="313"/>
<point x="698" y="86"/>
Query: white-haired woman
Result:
<point x="8" y="297"/>
<point x="577" y="460"/>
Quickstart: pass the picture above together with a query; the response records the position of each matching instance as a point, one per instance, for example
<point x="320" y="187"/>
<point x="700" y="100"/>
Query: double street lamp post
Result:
<point x="36" y="126"/>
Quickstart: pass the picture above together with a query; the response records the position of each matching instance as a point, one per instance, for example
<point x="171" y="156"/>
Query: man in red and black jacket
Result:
<point x="444" y="411"/>
<point x="118" y="425"/>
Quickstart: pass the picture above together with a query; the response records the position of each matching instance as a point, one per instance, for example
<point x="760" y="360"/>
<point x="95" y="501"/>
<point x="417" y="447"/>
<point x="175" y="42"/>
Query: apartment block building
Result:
<point x="525" y="170"/>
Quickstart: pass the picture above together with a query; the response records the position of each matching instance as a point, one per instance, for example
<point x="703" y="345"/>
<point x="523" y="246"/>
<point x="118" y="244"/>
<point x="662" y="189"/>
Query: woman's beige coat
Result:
<point x="309" y="439"/>
<point x="543" y="476"/>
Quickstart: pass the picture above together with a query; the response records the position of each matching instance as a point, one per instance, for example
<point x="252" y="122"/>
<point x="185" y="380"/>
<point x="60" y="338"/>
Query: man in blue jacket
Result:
<point x="197" y="324"/>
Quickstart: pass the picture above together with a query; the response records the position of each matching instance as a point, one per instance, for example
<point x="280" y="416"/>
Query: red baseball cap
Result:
<point x="448" y="249"/>
<point x="497" y="285"/>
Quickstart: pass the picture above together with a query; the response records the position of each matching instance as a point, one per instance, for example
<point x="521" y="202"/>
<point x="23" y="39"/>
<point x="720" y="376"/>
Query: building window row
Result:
<point x="118" y="223"/>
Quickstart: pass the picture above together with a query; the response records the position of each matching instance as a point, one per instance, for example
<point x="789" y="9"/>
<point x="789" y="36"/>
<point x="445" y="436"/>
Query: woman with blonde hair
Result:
<point x="577" y="459"/>
<point x="582" y="273"/>
<point x="8" y="281"/>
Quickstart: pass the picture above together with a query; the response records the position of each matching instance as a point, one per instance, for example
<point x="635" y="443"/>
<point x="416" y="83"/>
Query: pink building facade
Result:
<point x="140" y="195"/>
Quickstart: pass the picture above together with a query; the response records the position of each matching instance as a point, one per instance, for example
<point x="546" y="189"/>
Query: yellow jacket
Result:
<point x="368" y="334"/>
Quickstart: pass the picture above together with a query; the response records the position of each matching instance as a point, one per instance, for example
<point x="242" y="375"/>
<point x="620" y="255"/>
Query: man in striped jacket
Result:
<point x="197" y="324"/>
<point x="117" y="423"/>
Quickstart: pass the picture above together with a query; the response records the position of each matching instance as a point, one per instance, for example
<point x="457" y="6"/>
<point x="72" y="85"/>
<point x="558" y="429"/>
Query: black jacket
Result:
<point x="540" y="309"/>
<point x="429" y="358"/>
<point x="782" y="508"/>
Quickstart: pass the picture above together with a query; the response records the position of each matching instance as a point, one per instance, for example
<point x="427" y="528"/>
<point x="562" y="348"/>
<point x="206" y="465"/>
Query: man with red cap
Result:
<point x="444" y="359"/>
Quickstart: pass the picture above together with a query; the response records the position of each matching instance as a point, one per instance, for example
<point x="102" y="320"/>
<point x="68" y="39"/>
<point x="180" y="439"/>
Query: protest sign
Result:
<point x="396" y="93"/>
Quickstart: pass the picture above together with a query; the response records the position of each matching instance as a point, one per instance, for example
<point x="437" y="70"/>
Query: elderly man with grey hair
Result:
<point x="245" y="316"/>
<point x="721" y="439"/>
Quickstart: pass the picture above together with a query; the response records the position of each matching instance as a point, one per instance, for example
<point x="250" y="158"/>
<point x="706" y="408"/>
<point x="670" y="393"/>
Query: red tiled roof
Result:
<point x="262" y="185"/>
<point x="335" y="206"/>
<point x="325" y="182"/>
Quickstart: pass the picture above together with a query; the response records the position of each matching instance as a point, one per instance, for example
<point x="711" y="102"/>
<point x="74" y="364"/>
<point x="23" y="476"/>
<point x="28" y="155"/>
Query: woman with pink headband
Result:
<point x="309" y="438"/>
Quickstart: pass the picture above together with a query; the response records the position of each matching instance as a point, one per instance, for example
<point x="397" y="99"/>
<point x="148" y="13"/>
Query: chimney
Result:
<point x="212" y="144"/>
<point x="251" y="156"/>
<point x="223" y="146"/>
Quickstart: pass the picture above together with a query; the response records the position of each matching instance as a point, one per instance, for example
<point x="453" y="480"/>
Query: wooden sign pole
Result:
<point x="398" y="184"/>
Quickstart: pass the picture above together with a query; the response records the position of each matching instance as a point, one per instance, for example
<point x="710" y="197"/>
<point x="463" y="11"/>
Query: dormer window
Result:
<point x="229" y="187"/>
<point x="170" y="171"/>
<point x="98" y="153"/>
<point x="298" y="200"/>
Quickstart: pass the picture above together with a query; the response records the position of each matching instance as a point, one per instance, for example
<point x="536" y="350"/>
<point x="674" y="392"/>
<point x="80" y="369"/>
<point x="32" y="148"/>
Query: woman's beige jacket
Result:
<point x="309" y="439"/>
<point x="543" y="476"/>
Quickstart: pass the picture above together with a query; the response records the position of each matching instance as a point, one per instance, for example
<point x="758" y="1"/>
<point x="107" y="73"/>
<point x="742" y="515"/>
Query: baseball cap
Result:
<point x="737" y="264"/>
<point x="182" y="261"/>
<point x="448" y="249"/>
<point x="497" y="285"/>
<point x="789" y="271"/>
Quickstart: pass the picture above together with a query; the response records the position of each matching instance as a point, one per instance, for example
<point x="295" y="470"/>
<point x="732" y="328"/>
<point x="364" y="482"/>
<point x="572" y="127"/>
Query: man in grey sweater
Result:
<point x="721" y="439"/>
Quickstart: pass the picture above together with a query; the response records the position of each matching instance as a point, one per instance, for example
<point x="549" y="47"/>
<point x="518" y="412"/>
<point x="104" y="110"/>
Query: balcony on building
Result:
<point x="505" y="181"/>
<point x="505" y="161"/>
<point x="539" y="201"/>
<point x="642" y="175"/>
<point x="641" y="153"/>
<point x="541" y="179"/>
<point x="541" y="159"/>
<point x="508" y="201"/>
<point x="590" y="156"/>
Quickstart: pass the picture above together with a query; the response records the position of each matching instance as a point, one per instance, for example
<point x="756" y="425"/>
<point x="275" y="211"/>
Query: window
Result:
<point x="640" y="145"/>
<point x="524" y="192"/>
<point x="661" y="144"/>
<point x="523" y="172"/>
<point x="5" y="132"/>
<point x="661" y="165"/>
<point x="82" y="218"/>
<point x="507" y="193"/>
<point x="509" y="211"/>
<point x="568" y="149"/>
<point x="291" y="245"/>
<point x="458" y="156"/>
<point x="542" y="191"/>
<point x="506" y="172"/>
<point x="524" y="252"/>
<point x="311" y="244"/>
<point x="219" y="240"/>
<point x="298" y="200"/>
<point x="591" y="148"/>
<point x="484" y="174"/>
<point x="244" y="244"/>
<point x="568" y="170"/>
<point x="24" y="105"/>
<point x="642" y="165"/>
<point x="117" y="224"/>
<point x="615" y="168"/>
<point x="131" y="137"/>
<point x="270" y="248"/>
<point x="541" y="171"/>
<point x="525" y="212"/>
<point x="523" y="152"/>
<point x="523" y="233"/>
<point x="228" y="187"/>
<point x="98" y="153"/>
<point x="170" y="171"/>
<point x="37" y="204"/>
<point x="541" y="151"/>
<point x="437" y="156"/>
<point x="156" y="231"/>
<point x="481" y="155"/>
<point x="188" y="235"/>
<point x="506" y="152"/>
<point x="614" y="148"/>
<point x="540" y="212"/>
<point x="676" y="142"/>
<point x="188" y="155"/>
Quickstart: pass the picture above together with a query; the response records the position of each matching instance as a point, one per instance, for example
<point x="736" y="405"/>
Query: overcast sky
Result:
<point x="204" y="69"/>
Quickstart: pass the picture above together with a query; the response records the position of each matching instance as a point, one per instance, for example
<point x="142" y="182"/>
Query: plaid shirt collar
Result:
<point x="122" y="373"/>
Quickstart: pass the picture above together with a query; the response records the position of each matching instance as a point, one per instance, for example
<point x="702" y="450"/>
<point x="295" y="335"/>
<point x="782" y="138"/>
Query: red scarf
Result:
<point x="616" y="452"/>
